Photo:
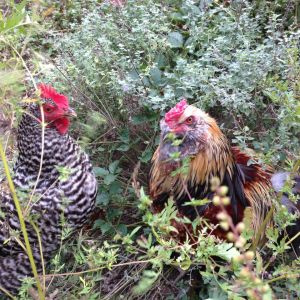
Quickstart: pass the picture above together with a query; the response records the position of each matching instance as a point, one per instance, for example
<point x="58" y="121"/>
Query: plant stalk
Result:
<point x="22" y="222"/>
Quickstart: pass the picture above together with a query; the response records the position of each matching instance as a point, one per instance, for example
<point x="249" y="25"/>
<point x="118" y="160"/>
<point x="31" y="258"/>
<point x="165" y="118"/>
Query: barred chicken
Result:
<point x="52" y="165"/>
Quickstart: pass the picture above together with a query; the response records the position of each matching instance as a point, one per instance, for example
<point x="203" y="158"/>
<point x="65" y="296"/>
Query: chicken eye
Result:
<point x="189" y="120"/>
<point x="48" y="109"/>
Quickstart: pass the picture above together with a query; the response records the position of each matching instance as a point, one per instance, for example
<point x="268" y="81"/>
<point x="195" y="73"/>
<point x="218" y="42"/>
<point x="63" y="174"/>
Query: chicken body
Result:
<point x="57" y="198"/>
<point x="210" y="155"/>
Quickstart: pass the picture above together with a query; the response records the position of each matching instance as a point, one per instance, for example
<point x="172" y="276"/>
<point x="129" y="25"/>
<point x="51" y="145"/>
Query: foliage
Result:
<point x="235" y="61"/>
<point x="123" y="65"/>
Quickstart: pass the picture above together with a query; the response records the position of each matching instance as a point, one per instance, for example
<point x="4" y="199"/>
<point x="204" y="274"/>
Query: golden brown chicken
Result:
<point x="189" y="133"/>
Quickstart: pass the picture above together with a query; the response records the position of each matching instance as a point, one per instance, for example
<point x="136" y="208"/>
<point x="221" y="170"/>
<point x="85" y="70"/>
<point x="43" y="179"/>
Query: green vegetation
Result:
<point x="123" y="66"/>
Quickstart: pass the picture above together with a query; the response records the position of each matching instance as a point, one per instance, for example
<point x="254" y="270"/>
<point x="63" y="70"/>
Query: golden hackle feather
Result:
<point x="211" y="162"/>
<point x="215" y="159"/>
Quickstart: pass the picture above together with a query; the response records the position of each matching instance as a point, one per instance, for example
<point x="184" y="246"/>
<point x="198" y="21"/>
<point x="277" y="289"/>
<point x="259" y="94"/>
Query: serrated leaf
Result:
<point x="108" y="179"/>
<point x="102" y="198"/>
<point x="105" y="227"/>
<point x="115" y="188"/>
<point x="113" y="213"/>
<point x="100" y="171"/>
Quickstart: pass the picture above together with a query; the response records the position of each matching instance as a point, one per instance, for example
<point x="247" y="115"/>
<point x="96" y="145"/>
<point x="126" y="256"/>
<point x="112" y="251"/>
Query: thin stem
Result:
<point x="101" y="268"/>
<point x="41" y="161"/>
<point x="41" y="253"/>
<point x="284" y="276"/>
<point x="22" y="222"/>
<point x="7" y="293"/>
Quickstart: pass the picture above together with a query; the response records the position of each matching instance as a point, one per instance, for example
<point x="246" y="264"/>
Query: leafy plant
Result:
<point x="122" y="66"/>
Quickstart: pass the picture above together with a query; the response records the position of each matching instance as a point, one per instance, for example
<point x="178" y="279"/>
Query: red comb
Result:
<point x="48" y="91"/>
<point x="174" y="113"/>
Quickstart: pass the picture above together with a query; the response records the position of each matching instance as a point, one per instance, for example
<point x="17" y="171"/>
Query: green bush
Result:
<point x="235" y="61"/>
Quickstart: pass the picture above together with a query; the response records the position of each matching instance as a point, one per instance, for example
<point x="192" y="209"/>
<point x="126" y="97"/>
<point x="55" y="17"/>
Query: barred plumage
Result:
<point x="55" y="199"/>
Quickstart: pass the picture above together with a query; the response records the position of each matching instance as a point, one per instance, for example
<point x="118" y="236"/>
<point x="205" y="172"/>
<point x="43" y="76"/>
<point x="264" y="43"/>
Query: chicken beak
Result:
<point x="71" y="112"/>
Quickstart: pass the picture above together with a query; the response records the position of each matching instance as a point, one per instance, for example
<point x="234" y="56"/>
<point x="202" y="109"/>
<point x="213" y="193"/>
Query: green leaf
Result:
<point x="97" y="119"/>
<point x="146" y="155"/>
<point x="103" y="225"/>
<point x="102" y="198"/>
<point x="115" y="188"/>
<point x="135" y="230"/>
<point x="124" y="136"/>
<point x="155" y="76"/>
<point x="108" y="179"/>
<point x="161" y="60"/>
<point x="145" y="116"/>
<point x="10" y="77"/>
<point x="123" y="148"/>
<point x="226" y="251"/>
<point x="134" y="75"/>
<point x="172" y="228"/>
<point x="122" y="228"/>
<point x="113" y="166"/>
<point x="113" y="213"/>
<point x="198" y="202"/>
<point x="100" y="171"/>
<point x="185" y="265"/>
<point x="175" y="39"/>
<point x="148" y="279"/>
<point x="142" y="243"/>
<point x="15" y="19"/>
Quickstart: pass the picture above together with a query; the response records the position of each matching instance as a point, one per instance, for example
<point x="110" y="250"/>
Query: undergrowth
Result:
<point x="123" y="63"/>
